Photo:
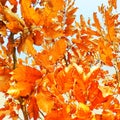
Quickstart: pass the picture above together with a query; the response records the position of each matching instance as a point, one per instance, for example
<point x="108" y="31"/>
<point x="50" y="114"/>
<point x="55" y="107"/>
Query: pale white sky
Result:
<point x="87" y="7"/>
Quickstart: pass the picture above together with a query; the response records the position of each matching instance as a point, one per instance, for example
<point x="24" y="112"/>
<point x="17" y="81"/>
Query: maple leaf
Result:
<point x="82" y="22"/>
<point x="33" y="108"/>
<point x="29" y="74"/>
<point x="20" y="89"/>
<point x="79" y="90"/>
<point x="45" y="101"/>
<point x="110" y="25"/>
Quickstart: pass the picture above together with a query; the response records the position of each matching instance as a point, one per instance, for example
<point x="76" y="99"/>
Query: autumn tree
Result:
<point x="62" y="75"/>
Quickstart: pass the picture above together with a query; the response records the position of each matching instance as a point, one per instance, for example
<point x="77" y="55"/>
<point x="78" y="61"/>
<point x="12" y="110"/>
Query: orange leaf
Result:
<point x="58" y="114"/>
<point x="97" y="23"/>
<point x="56" y="4"/>
<point x="82" y="22"/>
<point x="29" y="14"/>
<point x="37" y="37"/>
<point x="70" y="16"/>
<point x="4" y="79"/>
<point x="3" y="31"/>
<point x="106" y="114"/>
<point x="58" y="50"/>
<point x="44" y="101"/>
<point x="1" y="40"/>
<point x="14" y="2"/>
<point x="110" y="24"/>
<point x="26" y="74"/>
<point x="33" y="109"/>
<point x="11" y="16"/>
<point x="50" y="57"/>
<point x="113" y="3"/>
<point x="64" y="80"/>
<point x="83" y="112"/>
<point x="27" y="46"/>
<point x="20" y="89"/>
<point x="14" y="26"/>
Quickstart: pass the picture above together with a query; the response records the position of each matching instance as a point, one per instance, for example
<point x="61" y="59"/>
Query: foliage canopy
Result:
<point x="65" y="78"/>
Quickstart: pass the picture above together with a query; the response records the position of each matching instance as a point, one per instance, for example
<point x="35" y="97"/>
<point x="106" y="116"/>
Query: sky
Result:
<point x="87" y="7"/>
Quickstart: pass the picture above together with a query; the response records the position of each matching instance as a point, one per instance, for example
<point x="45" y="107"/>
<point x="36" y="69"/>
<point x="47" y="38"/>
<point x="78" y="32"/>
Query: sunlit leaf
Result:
<point x="113" y="3"/>
<point x="11" y="16"/>
<point x="56" y="5"/>
<point x="56" y="115"/>
<point x="97" y="23"/>
<point x="29" y="74"/>
<point x="27" y="46"/>
<point x="14" y="26"/>
<point x="20" y="89"/>
<point x="106" y="90"/>
<point x="30" y="15"/>
<point x="44" y="101"/>
<point x="82" y="112"/>
<point x="106" y="114"/>
<point x="49" y="57"/>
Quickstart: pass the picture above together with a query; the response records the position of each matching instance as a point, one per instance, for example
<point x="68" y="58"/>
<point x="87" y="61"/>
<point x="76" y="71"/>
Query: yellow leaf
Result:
<point x="106" y="90"/>
<point x="82" y="106"/>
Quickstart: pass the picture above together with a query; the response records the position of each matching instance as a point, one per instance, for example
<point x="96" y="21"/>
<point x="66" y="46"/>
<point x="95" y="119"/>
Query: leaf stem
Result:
<point x="23" y="107"/>
<point x="20" y="99"/>
<point x="14" y="51"/>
